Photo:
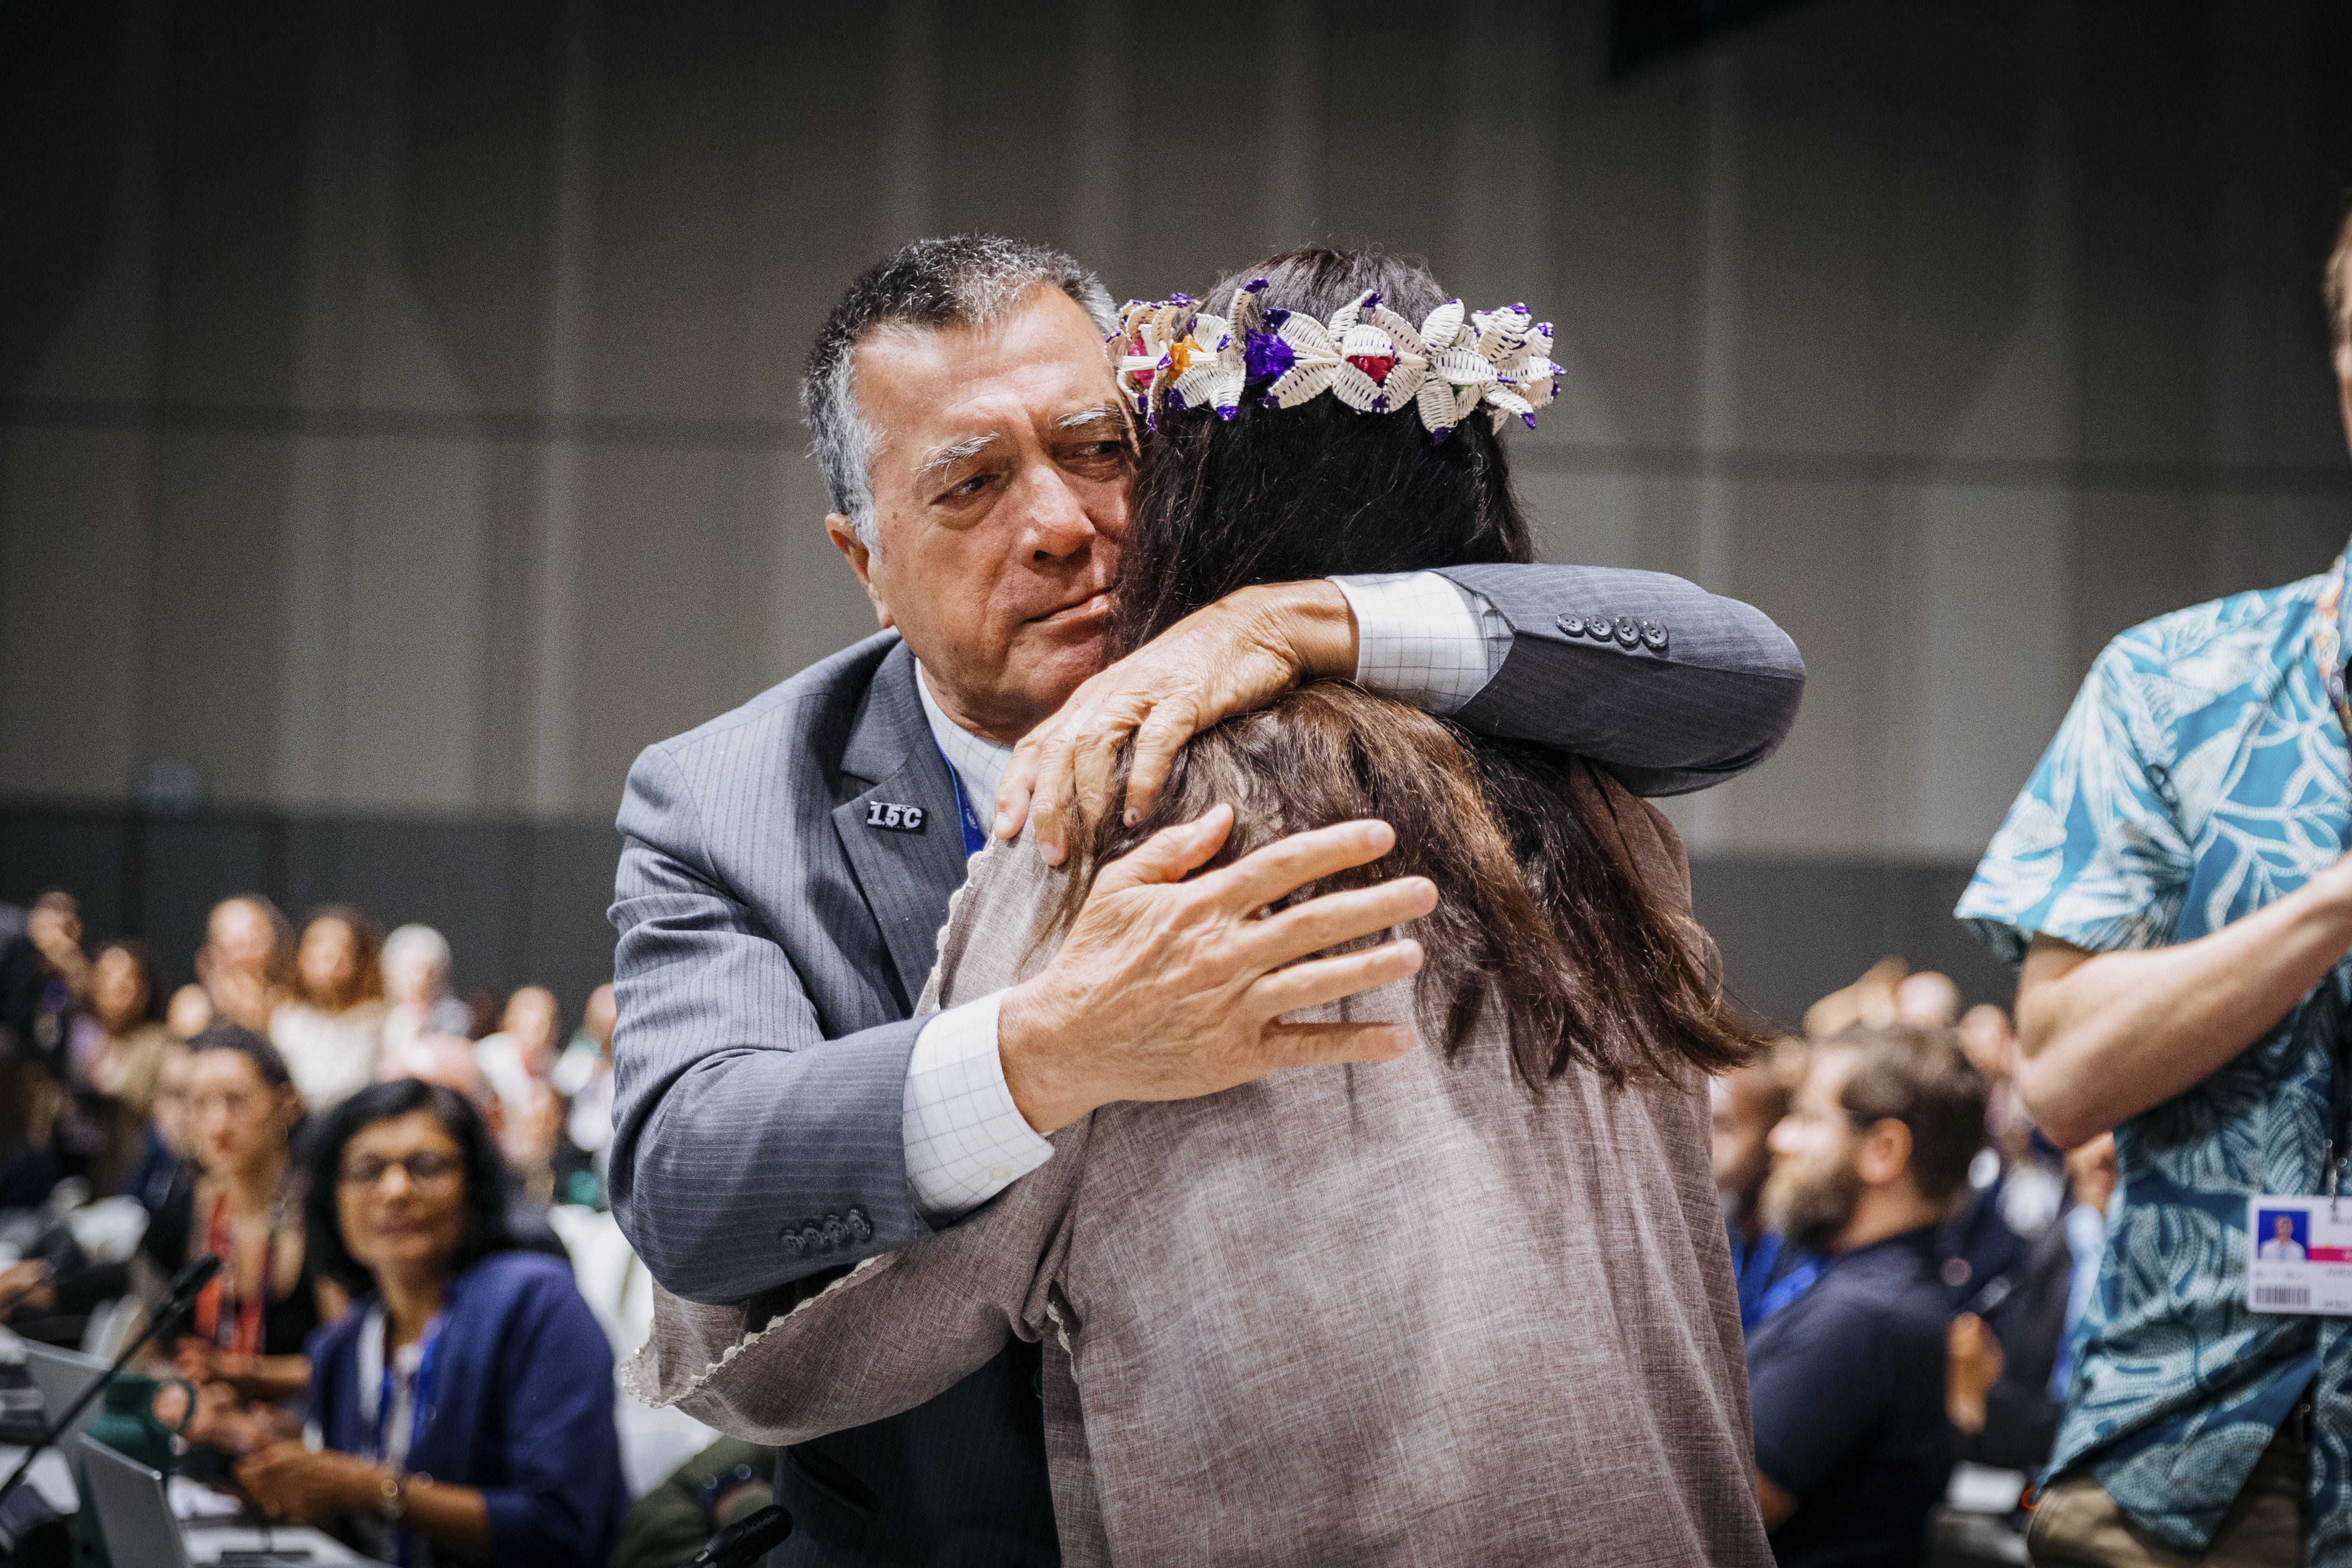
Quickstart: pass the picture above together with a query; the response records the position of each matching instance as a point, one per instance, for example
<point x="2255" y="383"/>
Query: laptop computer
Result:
<point x="136" y="1514"/>
<point x="63" y="1376"/>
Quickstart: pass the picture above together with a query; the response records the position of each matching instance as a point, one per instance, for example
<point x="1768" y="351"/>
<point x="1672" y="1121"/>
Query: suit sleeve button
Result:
<point x="1597" y="627"/>
<point x="1653" y="636"/>
<point x="1628" y="633"/>
<point x="1572" y="624"/>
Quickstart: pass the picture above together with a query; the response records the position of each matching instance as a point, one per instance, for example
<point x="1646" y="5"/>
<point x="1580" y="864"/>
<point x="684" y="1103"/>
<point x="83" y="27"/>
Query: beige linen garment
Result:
<point x="1402" y="1313"/>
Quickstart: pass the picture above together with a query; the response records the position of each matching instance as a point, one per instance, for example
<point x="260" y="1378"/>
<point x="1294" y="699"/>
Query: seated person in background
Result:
<point x="115" y="1054"/>
<point x="1748" y="1103"/>
<point x="164" y="1160"/>
<point x="1847" y="1384"/>
<point x="246" y="1207"/>
<point x="416" y="982"/>
<point x="517" y="1061"/>
<point x="497" y="1442"/>
<point x="189" y="1013"/>
<point x="54" y="924"/>
<point x="330" y="1030"/>
<point x="29" y="1099"/>
<point x="723" y="1485"/>
<point x="246" y="962"/>
<point x="2007" y="1387"/>
<point x="583" y="1077"/>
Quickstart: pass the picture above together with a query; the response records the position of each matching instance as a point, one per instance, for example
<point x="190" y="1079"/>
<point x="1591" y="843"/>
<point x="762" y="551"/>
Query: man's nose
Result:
<point x="1057" y="524"/>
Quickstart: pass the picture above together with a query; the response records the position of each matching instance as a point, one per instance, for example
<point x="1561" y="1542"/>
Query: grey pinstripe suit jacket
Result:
<point x="772" y="945"/>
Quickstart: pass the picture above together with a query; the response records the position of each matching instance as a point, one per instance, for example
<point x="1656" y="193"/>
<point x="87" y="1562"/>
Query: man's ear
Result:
<point x="861" y="561"/>
<point x="1884" y="1153"/>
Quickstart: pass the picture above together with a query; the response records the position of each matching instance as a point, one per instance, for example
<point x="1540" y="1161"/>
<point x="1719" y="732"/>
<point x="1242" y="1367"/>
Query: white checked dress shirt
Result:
<point x="1419" y="638"/>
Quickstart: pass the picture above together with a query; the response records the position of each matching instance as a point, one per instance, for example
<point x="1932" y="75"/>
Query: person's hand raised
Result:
<point x="1228" y="659"/>
<point x="1167" y="989"/>
<point x="1973" y="1363"/>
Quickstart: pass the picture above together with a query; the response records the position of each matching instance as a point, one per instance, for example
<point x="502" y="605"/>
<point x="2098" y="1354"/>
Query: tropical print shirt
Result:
<point x="2200" y="774"/>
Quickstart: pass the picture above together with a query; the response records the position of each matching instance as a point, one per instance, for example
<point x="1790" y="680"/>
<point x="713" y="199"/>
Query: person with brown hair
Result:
<point x="1853" y="1447"/>
<point x="1474" y="1300"/>
<point x="247" y="959"/>
<point x="115" y="1055"/>
<point x="330" y="1027"/>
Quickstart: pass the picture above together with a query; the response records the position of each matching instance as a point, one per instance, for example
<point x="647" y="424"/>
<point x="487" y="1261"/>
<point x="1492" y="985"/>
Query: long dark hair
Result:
<point x="485" y="1230"/>
<point x="1542" y="908"/>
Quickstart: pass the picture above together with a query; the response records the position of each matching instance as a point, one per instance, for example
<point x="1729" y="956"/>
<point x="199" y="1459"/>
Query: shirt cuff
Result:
<point x="1424" y="639"/>
<point x="966" y="1141"/>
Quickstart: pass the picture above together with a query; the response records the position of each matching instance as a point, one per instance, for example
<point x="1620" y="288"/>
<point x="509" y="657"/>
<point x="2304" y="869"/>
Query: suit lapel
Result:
<point x="907" y="876"/>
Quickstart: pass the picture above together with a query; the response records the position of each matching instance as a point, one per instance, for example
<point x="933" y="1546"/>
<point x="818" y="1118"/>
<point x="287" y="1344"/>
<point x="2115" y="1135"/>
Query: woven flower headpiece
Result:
<point x="1170" y="353"/>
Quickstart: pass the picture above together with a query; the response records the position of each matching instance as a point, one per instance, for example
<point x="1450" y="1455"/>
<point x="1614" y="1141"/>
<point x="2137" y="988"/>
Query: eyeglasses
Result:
<point x="424" y="1170"/>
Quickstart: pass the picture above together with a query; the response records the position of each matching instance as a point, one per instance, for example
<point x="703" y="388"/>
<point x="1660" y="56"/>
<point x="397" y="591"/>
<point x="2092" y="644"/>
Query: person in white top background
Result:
<point x="330" y="1030"/>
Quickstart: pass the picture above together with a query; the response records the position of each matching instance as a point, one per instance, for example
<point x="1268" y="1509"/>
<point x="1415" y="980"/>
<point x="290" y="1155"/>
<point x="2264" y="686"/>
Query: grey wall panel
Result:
<point x="396" y="403"/>
<point x="91" y="853"/>
<point x="73" y="592"/>
<point x="179" y="869"/>
<point x="235" y="126"/>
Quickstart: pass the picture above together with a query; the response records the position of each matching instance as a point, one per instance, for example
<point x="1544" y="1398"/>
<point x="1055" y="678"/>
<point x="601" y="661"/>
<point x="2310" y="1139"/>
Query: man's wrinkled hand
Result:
<point x="1233" y="657"/>
<point x="1169" y="989"/>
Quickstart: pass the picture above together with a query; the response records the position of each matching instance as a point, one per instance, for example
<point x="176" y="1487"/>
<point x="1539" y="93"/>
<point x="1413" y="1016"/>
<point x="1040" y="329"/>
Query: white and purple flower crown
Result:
<point x="1170" y="353"/>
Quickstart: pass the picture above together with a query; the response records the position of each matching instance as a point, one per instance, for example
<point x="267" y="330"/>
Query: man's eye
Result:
<point x="970" y="487"/>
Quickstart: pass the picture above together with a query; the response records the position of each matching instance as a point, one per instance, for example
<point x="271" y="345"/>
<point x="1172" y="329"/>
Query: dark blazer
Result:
<point x="773" y="940"/>
<point x="2021" y="1418"/>
<point x="520" y="1407"/>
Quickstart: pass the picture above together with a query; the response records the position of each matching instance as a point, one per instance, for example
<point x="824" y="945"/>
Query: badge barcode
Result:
<point x="2282" y="1295"/>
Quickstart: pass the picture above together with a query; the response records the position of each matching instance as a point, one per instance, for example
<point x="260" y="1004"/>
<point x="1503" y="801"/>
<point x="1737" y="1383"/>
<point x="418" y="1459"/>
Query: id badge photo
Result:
<point x="2299" y="1255"/>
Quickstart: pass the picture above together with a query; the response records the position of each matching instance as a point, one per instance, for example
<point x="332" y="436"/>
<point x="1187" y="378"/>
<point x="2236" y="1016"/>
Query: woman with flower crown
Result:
<point x="1469" y="1305"/>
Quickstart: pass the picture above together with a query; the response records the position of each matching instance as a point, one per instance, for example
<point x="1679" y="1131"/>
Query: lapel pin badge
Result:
<point x="897" y="818"/>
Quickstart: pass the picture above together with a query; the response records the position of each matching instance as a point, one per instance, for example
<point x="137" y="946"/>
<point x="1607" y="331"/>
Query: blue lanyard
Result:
<point x="420" y="1392"/>
<point x="1791" y="1286"/>
<point x="975" y="836"/>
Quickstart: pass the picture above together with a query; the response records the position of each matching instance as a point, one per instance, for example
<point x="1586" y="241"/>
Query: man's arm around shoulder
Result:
<point x="1671" y="688"/>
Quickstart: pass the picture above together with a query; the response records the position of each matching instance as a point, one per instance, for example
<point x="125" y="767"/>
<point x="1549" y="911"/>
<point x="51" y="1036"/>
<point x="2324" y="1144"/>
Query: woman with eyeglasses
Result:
<point x="466" y="1405"/>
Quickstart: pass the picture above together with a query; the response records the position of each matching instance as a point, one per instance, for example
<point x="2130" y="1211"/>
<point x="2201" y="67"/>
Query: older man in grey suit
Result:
<point x="786" y="866"/>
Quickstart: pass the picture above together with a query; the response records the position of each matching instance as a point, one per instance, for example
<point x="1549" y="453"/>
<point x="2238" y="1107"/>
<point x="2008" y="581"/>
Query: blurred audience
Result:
<point x="1874" y="1148"/>
<point x="1747" y="1104"/>
<point x="1910" y="1259"/>
<point x="189" y="1013"/>
<point x="584" y="1077"/>
<point x="467" y="1405"/>
<point x="518" y="1061"/>
<point x="165" y="1161"/>
<point x="54" y="924"/>
<point x="247" y="959"/>
<point x="114" y="1057"/>
<point x="416" y="960"/>
<point x="329" y="1027"/>
<point x="2007" y="1385"/>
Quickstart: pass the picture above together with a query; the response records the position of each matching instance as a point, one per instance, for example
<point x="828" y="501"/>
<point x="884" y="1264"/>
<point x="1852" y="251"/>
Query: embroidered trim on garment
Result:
<point x="1170" y="353"/>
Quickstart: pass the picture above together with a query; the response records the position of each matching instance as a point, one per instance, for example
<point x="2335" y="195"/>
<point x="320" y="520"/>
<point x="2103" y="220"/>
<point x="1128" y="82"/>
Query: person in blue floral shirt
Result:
<point x="2173" y="881"/>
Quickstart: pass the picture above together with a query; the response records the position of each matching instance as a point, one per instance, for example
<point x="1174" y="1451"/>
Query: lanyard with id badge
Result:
<point x="2299" y="1249"/>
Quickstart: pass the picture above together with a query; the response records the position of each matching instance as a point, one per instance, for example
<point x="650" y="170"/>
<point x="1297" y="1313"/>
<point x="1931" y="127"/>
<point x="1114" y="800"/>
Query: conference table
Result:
<point x="206" y="1542"/>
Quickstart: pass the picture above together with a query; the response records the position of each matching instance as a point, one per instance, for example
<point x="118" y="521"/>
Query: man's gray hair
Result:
<point x="966" y="280"/>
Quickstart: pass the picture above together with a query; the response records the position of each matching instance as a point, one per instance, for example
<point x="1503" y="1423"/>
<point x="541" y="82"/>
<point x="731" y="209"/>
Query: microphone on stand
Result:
<point x="185" y="1285"/>
<point x="744" y="1543"/>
